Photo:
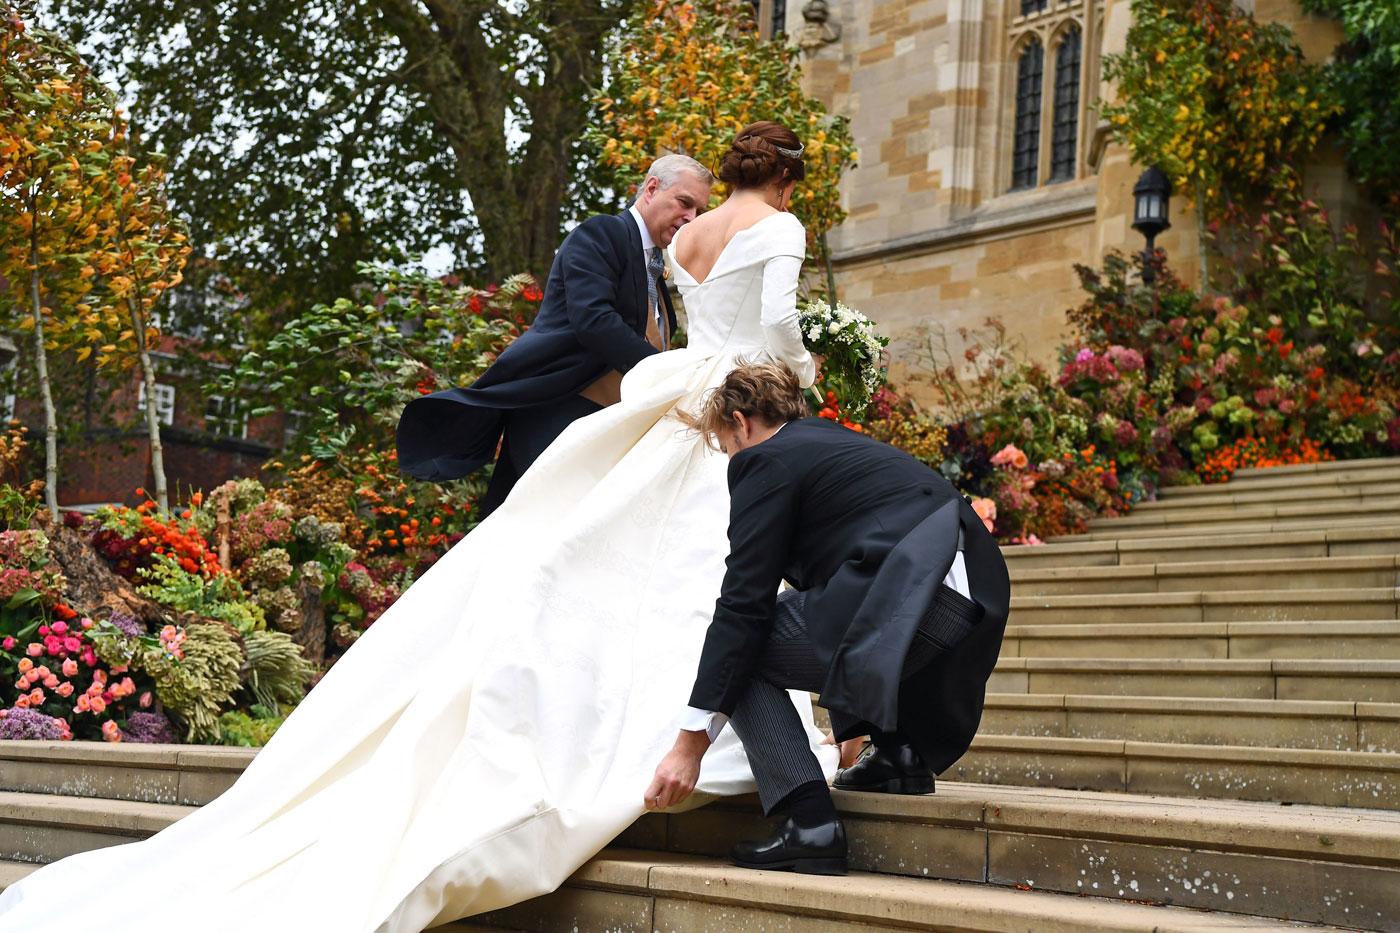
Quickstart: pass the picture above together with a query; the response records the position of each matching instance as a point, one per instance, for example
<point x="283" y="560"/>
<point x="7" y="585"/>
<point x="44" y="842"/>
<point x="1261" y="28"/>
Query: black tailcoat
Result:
<point x="869" y="533"/>
<point x="593" y="318"/>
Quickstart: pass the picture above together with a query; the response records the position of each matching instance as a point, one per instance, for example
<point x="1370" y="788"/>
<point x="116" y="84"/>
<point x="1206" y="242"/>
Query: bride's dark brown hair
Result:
<point x="754" y="159"/>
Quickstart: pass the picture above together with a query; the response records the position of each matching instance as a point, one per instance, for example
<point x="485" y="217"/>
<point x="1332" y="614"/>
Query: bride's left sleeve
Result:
<point x="779" y="315"/>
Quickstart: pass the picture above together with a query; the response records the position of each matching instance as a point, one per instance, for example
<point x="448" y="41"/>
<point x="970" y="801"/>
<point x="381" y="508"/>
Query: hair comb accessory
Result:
<point x="790" y="153"/>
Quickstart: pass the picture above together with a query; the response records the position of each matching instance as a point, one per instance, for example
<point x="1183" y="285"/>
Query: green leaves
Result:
<point x="348" y="368"/>
<point x="690" y="75"/>
<point x="1224" y="104"/>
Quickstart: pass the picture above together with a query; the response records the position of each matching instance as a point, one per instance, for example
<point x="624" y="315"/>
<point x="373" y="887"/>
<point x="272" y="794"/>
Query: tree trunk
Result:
<point x="517" y="201"/>
<point x="41" y="365"/>
<point x="148" y="376"/>
<point x="221" y="530"/>
<point x="312" y="635"/>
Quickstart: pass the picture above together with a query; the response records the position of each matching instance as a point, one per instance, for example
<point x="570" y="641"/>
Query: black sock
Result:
<point x="808" y="804"/>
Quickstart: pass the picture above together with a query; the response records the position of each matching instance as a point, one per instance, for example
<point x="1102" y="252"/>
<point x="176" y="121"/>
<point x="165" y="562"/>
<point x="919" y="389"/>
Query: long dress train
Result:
<point x="499" y="724"/>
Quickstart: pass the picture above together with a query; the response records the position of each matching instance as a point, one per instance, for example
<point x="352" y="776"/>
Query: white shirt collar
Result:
<point x="647" y="242"/>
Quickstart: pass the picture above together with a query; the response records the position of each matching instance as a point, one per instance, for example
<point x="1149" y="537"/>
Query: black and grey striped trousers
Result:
<point x="765" y="719"/>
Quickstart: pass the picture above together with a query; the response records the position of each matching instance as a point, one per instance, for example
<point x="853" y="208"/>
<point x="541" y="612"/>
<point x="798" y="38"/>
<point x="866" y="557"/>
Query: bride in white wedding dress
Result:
<point x="498" y="726"/>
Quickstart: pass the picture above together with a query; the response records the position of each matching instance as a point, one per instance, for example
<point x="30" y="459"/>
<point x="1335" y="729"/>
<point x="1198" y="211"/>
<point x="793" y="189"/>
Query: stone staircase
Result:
<point x="1194" y="725"/>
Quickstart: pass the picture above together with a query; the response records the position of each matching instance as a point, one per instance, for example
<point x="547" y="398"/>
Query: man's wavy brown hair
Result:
<point x="766" y="392"/>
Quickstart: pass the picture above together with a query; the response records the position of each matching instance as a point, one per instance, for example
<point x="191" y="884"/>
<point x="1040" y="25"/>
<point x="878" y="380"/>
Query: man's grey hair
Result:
<point x="669" y="168"/>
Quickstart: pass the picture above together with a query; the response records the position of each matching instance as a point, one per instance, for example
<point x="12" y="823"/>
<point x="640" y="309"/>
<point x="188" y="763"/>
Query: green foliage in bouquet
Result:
<point x="853" y="367"/>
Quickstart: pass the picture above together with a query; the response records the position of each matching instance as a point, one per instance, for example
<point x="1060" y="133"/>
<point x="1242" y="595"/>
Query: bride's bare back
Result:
<point x="707" y="235"/>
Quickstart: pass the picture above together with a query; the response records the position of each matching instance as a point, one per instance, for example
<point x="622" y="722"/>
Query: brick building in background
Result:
<point x="985" y="172"/>
<point x="203" y="440"/>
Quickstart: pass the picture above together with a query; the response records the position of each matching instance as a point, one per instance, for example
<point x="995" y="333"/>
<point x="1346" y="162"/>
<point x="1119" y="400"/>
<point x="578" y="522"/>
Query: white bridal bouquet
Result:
<point x="853" y="349"/>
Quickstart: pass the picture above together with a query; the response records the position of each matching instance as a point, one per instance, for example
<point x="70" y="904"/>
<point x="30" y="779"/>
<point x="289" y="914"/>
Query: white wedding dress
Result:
<point x="498" y="726"/>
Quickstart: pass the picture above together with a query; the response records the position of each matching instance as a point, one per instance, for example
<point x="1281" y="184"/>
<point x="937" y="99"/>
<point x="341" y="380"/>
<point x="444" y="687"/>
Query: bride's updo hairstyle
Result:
<point x="756" y="158"/>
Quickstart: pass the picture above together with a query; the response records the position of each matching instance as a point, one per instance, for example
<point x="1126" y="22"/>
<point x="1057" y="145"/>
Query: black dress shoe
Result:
<point x="819" y="849"/>
<point x="896" y="769"/>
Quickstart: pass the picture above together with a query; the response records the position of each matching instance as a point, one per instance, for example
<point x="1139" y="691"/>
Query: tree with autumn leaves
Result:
<point x="87" y="241"/>
<point x="1223" y="103"/>
<point x="688" y="75"/>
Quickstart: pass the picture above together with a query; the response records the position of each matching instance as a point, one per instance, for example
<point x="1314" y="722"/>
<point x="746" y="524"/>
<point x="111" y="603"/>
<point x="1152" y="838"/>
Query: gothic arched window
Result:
<point x="1064" y="133"/>
<point x="1050" y="81"/>
<point x="1025" y="168"/>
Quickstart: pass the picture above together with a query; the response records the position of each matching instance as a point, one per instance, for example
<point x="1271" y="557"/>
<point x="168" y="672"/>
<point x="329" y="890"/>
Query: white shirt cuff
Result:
<point x="702" y="720"/>
<point x="957" y="576"/>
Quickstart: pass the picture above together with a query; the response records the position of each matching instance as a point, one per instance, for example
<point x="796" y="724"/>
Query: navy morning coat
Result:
<point x="592" y="319"/>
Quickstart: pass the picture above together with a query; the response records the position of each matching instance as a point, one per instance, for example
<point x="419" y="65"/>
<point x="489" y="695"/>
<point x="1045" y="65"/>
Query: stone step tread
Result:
<point x="1335" y="667"/>
<point x="1350" y="834"/>
<point x="11" y="872"/>
<point x="1388" y="762"/>
<point x="1203" y="597"/>
<point x="1280" y="566"/>
<point x="1328" y="466"/>
<point x="1329" y="491"/>
<point x="1208" y="514"/>
<point x="1153" y="532"/>
<point x="94" y="813"/>
<point x="863" y="899"/>
<point x="1213" y="705"/>
<point x="131" y="755"/>
<point x="1071" y="545"/>
<point x="1365" y="628"/>
<point x="1331" y="834"/>
<point x="1345" y="471"/>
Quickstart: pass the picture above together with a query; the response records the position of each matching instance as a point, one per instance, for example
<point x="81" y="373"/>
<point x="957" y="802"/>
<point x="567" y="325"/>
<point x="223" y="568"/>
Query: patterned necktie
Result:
<point x="655" y="267"/>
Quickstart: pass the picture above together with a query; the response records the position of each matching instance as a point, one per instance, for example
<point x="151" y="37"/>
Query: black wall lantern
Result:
<point x="1151" y="201"/>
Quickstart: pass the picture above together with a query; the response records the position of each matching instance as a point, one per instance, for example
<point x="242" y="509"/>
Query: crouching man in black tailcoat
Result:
<point x="896" y="618"/>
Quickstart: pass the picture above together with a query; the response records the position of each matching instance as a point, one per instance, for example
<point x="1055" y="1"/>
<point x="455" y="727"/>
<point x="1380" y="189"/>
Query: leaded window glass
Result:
<point x="1065" y="131"/>
<point x="771" y="16"/>
<point x="1032" y="6"/>
<point x="1026" y="152"/>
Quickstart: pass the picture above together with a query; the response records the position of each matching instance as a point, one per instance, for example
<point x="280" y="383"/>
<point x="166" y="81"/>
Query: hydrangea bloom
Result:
<point x="19" y="723"/>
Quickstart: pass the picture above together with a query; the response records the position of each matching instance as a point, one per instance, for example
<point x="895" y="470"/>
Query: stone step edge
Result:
<point x="1190" y="630"/>
<point x="1327" y="466"/>
<point x="880" y="901"/>
<point x="606" y="871"/>
<point x="1211" y="529"/>
<point x="1337" y="667"/>
<point x="1172" y="598"/>
<point x="1316" y="833"/>
<point x="1219" y="706"/>
<point x="156" y="757"/>
<point x="1230" y="568"/>
<point x="1081" y="544"/>
<point x="1353" y="761"/>
<point x="1327" y="488"/>
<point x="1206" y="513"/>
<point x="1338" y="471"/>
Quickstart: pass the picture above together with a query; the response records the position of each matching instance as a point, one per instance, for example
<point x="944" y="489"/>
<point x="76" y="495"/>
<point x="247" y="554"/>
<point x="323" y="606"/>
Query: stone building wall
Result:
<point x="936" y="234"/>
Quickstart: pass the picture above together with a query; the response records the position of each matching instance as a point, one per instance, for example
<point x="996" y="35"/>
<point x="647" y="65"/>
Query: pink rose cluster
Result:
<point x="1011" y="456"/>
<point x="60" y="640"/>
<point x="172" y="639"/>
<point x="986" y="510"/>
